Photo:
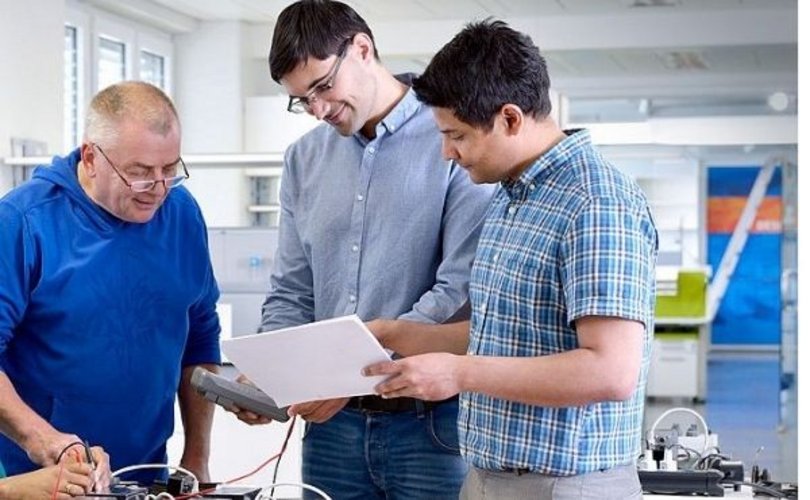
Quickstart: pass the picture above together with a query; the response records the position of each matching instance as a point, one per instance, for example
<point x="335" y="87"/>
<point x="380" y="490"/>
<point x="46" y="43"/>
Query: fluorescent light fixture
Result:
<point x="778" y="101"/>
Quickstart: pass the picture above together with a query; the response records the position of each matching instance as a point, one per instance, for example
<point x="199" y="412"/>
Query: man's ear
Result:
<point x="365" y="46"/>
<point x="512" y="118"/>
<point x="88" y="155"/>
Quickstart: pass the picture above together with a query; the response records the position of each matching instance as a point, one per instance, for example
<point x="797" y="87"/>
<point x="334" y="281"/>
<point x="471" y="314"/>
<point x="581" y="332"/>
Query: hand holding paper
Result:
<point x="322" y="360"/>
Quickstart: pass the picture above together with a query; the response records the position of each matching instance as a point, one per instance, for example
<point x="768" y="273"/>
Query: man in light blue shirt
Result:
<point x="375" y="223"/>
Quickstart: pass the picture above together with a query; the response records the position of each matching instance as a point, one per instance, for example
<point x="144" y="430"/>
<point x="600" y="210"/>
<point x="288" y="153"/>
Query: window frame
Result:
<point x="91" y="24"/>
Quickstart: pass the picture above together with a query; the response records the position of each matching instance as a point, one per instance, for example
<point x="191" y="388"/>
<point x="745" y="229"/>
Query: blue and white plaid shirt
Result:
<point x="572" y="237"/>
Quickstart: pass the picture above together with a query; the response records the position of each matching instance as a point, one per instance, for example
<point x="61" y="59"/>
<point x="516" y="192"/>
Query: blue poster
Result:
<point x="749" y="312"/>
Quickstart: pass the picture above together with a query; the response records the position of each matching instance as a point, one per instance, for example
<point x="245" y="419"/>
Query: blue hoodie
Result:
<point x="98" y="316"/>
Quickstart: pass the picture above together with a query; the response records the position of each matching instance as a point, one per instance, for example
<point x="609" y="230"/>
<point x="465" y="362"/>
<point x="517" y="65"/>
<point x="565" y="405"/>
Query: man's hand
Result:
<point x="318" y="412"/>
<point x="73" y="480"/>
<point x="98" y="459"/>
<point x="102" y="474"/>
<point x="246" y="416"/>
<point x="45" y="449"/>
<point x="431" y="377"/>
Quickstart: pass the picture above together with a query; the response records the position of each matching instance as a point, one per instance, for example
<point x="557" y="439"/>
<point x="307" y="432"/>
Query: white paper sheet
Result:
<point x="321" y="360"/>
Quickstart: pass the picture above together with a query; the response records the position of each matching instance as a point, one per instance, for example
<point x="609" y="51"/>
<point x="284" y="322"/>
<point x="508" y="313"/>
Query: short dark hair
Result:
<point x="312" y="28"/>
<point x="486" y="65"/>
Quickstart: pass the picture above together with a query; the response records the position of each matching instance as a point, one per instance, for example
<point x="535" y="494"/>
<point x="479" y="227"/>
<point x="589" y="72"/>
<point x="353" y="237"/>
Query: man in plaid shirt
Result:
<point x="562" y="288"/>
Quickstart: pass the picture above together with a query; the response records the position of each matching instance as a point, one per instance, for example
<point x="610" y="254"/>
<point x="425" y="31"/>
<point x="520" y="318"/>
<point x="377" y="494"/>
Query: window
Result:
<point x="71" y="88"/>
<point x="112" y="62"/>
<point x="153" y="69"/>
<point x="102" y="48"/>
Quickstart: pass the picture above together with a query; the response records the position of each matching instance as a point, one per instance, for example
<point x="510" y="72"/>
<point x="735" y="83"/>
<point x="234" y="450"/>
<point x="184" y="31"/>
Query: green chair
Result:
<point x="689" y="301"/>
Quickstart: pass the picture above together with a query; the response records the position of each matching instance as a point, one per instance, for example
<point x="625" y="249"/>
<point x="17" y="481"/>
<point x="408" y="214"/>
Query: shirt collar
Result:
<point x="406" y="108"/>
<point x="552" y="159"/>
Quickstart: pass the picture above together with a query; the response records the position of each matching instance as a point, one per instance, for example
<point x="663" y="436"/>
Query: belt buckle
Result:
<point x="368" y="404"/>
<point x="518" y="471"/>
<point x="376" y="404"/>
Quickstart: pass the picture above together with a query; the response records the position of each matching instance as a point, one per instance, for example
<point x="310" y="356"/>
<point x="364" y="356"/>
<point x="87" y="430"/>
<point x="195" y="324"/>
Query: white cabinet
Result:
<point x="673" y="368"/>
<point x="678" y="360"/>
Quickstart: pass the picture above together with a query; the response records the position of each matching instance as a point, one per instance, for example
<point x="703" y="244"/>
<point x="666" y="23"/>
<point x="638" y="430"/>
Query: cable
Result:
<point x="69" y="446"/>
<point x="58" y="478"/>
<point x="706" y="461"/>
<point x="62" y="466"/>
<point x="130" y="468"/>
<point x="651" y="433"/>
<point x="760" y="488"/>
<point x="275" y="474"/>
<point x="277" y="455"/>
<point x="254" y="471"/>
<point x="159" y="496"/>
<point x="304" y="486"/>
<point x="281" y="454"/>
<point x="690" y="452"/>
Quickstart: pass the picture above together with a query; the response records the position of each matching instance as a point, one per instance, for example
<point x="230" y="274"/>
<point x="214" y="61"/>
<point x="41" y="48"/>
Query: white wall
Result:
<point x="269" y="127"/>
<point x="209" y="97"/>
<point x="31" y="61"/>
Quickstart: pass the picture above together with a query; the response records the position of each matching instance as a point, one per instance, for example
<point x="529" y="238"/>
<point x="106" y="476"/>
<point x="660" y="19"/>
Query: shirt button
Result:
<point x="355" y="248"/>
<point x="512" y="210"/>
<point x="360" y="197"/>
<point x="531" y="187"/>
<point x="352" y="299"/>
<point x="371" y="150"/>
<point x="483" y="308"/>
<point x="465" y="404"/>
<point x="495" y="258"/>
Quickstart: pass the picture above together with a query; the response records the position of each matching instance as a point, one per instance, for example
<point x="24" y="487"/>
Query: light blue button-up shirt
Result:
<point x="381" y="228"/>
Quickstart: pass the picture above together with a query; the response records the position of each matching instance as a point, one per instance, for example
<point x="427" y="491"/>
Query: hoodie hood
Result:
<point x="63" y="172"/>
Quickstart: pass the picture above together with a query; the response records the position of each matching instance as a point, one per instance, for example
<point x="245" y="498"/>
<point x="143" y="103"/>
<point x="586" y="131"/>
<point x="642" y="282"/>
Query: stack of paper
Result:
<point x="321" y="360"/>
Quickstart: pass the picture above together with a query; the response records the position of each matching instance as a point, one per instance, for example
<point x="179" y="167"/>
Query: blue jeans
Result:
<point x="404" y="455"/>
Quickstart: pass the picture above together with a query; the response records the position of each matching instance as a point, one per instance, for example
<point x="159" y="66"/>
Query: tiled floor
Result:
<point x="742" y="408"/>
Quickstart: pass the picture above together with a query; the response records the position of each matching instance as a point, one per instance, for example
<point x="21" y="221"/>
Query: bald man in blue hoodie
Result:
<point x="107" y="296"/>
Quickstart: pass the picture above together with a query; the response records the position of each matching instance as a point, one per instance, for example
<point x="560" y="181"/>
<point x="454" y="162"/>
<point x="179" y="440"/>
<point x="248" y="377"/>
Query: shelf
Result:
<point x="263" y="172"/>
<point x="258" y="209"/>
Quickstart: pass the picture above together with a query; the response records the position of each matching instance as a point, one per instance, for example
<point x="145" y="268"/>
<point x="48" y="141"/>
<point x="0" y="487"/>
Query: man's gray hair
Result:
<point x="127" y="101"/>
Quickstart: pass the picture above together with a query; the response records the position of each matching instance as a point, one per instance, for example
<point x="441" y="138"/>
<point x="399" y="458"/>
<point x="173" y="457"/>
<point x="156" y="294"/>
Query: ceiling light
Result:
<point x="778" y="101"/>
<point x="644" y="107"/>
<point x="651" y="3"/>
<point x="686" y="60"/>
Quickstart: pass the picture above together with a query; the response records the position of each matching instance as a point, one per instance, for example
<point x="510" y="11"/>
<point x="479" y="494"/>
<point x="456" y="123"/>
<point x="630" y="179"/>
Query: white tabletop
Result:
<point x="745" y="492"/>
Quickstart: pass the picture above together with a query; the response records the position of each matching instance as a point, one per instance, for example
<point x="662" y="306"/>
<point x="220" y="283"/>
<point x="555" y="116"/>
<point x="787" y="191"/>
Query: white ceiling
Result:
<point x="728" y="50"/>
<point x="375" y="11"/>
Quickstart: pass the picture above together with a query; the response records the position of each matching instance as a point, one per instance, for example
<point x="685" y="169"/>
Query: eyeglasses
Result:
<point x="142" y="186"/>
<point x="302" y="104"/>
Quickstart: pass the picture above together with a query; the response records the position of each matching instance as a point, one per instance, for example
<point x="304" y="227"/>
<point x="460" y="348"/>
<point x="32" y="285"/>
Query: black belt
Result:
<point x="377" y="404"/>
<point x="518" y="471"/>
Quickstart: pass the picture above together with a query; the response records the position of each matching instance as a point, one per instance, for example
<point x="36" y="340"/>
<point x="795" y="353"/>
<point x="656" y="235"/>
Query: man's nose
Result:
<point x="318" y="108"/>
<point x="448" y="151"/>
